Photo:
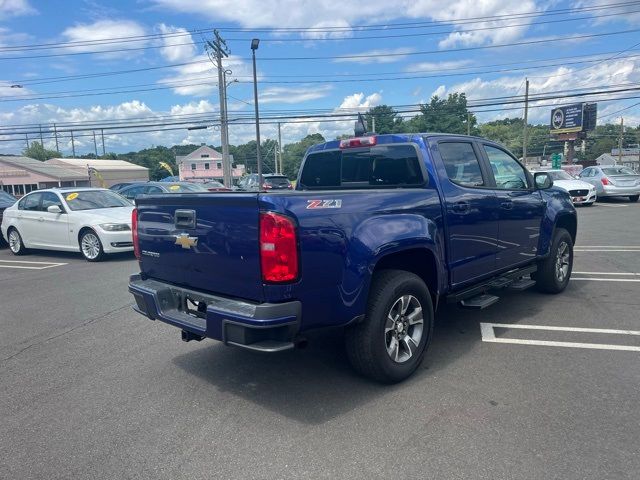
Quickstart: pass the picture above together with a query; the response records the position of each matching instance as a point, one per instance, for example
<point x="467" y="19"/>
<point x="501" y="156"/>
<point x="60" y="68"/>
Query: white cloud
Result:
<point x="14" y="8"/>
<point x="177" y="48"/>
<point x="12" y="89"/>
<point x="628" y="13"/>
<point x="437" y="66"/>
<point x="292" y="95"/>
<point x="203" y="106"/>
<point x="106" y="30"/>
<point x="383" y="55"/>
<point x="360" y="102"/>
<point x="289" y="13"/>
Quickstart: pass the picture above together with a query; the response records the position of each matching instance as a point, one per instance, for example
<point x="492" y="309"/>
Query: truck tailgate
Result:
<point x="218" y="252"/>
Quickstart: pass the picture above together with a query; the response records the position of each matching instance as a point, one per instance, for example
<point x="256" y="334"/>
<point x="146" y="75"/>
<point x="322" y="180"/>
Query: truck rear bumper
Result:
<point x="266" y="327"/>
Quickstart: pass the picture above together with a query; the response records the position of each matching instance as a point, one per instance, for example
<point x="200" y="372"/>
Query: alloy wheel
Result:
<point x="562" y="262"/>
<point x="403" y="328"/>
<point x="90" y="246"/>
<point x="14" y="241"/>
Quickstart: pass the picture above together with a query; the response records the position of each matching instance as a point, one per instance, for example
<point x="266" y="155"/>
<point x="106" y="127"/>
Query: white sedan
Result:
<point x="581" y="193"/>
<point x="93" y="221"/>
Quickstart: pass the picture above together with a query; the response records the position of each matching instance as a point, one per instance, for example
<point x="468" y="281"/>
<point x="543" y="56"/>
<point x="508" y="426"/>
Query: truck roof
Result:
<point x="392" y="138"/>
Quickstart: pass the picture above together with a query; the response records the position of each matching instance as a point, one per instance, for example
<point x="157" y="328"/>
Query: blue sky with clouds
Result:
<point x="425" y="48"/>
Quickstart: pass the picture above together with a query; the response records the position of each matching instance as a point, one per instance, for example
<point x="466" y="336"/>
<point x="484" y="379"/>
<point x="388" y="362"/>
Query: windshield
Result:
<point x="618" y="171"/>
<point x="94" y="199"/>
<point x="560" y="175"/>
<point x="277" y="181"/>
<point x="214" y="183"/>
<point x="6" y="200"/>
<point x="185" y="187"/>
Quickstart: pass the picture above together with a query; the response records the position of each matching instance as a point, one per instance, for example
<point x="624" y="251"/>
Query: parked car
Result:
<point x="270" y="181"/>
<point x="215" y="186"/>
<point x="131" y="192"/>
<point x="581" y="193"/>
<point x="6" y="200"/>
<point x="613" y="181"/>
<point x="93" y="221"/>
<point x="380" y="230"/>
<point x="119" y="186"/>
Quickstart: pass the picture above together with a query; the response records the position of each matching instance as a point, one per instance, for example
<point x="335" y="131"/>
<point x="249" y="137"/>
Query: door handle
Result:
<point x="460" y="207"/>
<point x="507" y="205"/>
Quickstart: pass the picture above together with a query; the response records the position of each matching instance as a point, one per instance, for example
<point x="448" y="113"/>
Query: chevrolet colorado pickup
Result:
<point x="378" y="231"/>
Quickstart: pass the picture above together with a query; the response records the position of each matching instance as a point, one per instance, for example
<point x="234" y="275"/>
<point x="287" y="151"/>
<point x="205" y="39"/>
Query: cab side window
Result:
<point x="507" y="171"/>
<point x="30" y="202"/>
<point x="461" y="163"/>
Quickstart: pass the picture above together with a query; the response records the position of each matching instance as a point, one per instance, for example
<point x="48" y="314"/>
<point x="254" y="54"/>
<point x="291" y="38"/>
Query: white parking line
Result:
<point x="488" y="335"/>
<point x="582" y="249"/>
<point x="610" y="205"/>
<point x="633" y="274"/>
<point x="606" y="279"/>
<point x="29" y="265"/>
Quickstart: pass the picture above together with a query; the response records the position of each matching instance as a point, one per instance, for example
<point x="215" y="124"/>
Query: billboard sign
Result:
<point x="567" y="119"/>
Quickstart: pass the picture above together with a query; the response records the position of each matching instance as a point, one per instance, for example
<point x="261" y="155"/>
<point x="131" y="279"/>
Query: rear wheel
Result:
<point x="16" y="245"/>
<point x="391" y="341"/>
<point x="91" y="246"/>
<point x="554" y="272"/>
<point x="634" y="198"/>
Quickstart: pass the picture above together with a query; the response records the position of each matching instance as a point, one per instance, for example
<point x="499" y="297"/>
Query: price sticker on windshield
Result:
<point x="173" y="188"/>
<point x="71" y="196"/>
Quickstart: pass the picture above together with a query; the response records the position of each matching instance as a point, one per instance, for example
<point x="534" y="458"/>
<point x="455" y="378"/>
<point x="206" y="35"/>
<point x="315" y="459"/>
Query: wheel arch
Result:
<point x="570" y="224"/>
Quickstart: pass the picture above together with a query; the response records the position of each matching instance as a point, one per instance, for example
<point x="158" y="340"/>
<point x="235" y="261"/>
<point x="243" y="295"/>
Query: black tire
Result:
<point x="16" y="245"/>
<point x="368" y="342"/>
<point x="590" y="204"/>
<point x="634" y="198"/>
<point x="91" y="246"/>
<point x="548" y="278"/>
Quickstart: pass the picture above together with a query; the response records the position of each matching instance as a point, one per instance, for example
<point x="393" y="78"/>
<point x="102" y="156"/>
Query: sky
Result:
<point x="88" y="64"/>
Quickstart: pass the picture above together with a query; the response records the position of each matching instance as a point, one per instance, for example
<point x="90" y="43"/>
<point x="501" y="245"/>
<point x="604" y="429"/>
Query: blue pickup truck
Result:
<point x="379" y="230"/>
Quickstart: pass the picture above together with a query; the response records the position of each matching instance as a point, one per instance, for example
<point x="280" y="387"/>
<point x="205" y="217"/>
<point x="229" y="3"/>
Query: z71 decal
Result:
<point x="314" y="204"/>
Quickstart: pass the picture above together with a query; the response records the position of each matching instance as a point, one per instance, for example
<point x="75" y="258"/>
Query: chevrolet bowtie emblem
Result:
<point x="185" y="241"/>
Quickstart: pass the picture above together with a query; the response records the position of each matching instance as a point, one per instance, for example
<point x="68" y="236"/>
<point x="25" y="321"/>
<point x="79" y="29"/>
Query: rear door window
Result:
<point x="376" y="167"/>
<point x="30" y="202"/>
<point x="461" y="163"/>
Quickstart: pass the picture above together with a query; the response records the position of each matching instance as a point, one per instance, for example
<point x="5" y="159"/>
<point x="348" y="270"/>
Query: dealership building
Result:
<point x="20" y="175"/>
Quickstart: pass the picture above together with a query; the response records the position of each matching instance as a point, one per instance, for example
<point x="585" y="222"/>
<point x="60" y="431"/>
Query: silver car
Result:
<point x="613" y="181"/>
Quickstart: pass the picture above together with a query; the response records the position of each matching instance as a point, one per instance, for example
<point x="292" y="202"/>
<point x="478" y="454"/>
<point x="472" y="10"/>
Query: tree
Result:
<point x="445" y="116"/>
<point x="386" y="118"/>
<point x="37" y="151"/>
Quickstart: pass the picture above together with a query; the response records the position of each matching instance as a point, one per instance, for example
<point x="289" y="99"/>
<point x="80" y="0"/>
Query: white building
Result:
<point x="205" y="163"/>
<point x="104" y="173"/>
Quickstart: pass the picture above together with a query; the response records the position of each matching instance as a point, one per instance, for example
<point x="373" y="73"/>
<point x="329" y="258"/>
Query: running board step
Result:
<point x="522" y="284"/>
<point x="479" y="302"/>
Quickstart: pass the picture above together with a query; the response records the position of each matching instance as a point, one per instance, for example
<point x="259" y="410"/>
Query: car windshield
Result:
<point x="185" y="187"/>
<point x="94" y="199"/>
<point x="559" y="175"/>
<point x="6" y="200"/>
<point x="214" y="183"/>
<point x="613" y="171"/>
<point x="277" y="181"/>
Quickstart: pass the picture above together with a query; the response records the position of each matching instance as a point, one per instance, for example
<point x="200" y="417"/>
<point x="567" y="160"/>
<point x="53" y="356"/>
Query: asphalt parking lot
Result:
<point x="90" y="389"/>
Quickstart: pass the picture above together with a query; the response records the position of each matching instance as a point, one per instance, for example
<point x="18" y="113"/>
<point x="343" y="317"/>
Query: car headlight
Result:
<point x="115" y="227"/>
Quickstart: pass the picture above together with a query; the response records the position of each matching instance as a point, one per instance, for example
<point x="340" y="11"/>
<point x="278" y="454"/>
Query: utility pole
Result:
<point x="55" y="134"/>
<point x="103" y="152"/>
<point x="373" y="124"/>
<point x="620" y="140"/>
<point x="280" y="149"/>
<point x="468" y="123"/>
<point x="73" y="145"/>
<point x="95" y="145"/>
<point x="220" y="49"/>
<point x="26" y="137"/>
<point x="526" y="121"/>
<point x="41" y="140"/>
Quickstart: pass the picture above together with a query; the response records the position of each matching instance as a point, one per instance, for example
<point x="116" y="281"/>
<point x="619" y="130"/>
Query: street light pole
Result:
<point x="254" y="46"/>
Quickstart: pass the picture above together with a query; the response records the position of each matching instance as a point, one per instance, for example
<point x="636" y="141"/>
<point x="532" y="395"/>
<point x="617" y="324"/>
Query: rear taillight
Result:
<point x="278" y="248"/>
<point x="290" y="187"/>
<point x="134" y="232"/>
<point x="266" y="186"/>
<point x="359" y="142"/>
<point x="605" y="181"/>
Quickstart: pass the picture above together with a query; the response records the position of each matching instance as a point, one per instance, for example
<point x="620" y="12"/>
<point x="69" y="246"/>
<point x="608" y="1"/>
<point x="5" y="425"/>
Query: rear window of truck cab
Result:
<point x="380" y="166"/>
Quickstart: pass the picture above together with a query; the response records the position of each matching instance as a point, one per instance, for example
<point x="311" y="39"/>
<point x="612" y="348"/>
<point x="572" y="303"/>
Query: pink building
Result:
<point x="205" y="163"/>
<point x="21" y="175"/>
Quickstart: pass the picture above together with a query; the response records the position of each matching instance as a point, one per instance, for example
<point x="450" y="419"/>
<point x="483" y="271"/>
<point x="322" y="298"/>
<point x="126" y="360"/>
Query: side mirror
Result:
<point x="543" y="180"/>
<point x="54" y="209"/>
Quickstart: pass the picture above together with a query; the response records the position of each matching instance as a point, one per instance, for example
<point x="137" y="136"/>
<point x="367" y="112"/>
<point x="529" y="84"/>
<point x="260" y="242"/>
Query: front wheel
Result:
<point x="389" y="344"/>
<point x="554" y="272"/>
<point x="16" y="245"/>
<point x="91" y="246"/>
<point x="634" y="198"/>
